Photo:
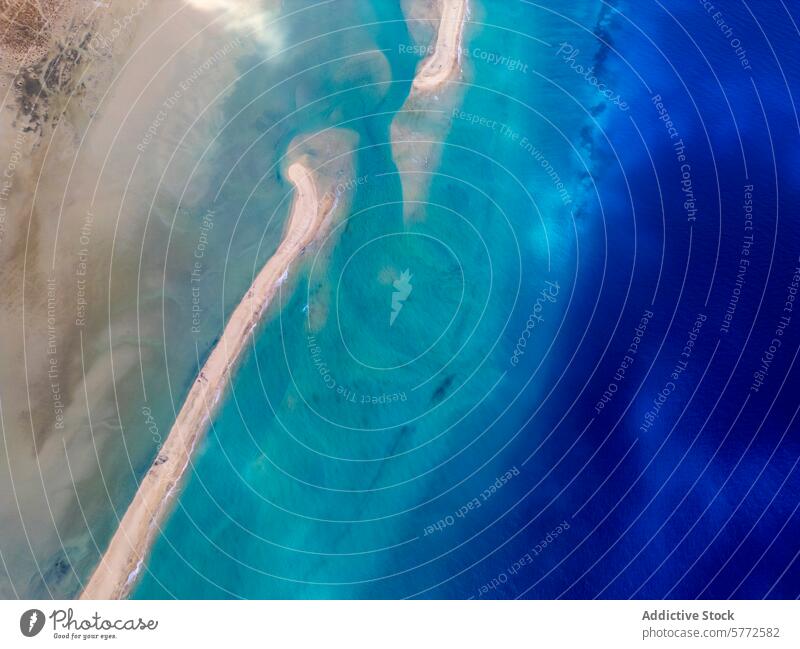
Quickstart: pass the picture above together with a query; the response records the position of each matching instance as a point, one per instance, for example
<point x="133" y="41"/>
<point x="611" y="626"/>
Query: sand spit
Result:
<point x="419" y="127"/>
<point x="443" y="64"/>
<point x="115" y="575"/>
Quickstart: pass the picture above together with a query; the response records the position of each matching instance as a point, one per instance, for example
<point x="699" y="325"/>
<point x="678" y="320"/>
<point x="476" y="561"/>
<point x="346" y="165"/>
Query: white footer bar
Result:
<point x="415" y="624"/>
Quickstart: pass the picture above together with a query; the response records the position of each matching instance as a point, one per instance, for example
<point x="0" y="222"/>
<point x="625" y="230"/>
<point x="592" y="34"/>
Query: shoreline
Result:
<point x="441" y="65"/>
<point x="120" y="565"/>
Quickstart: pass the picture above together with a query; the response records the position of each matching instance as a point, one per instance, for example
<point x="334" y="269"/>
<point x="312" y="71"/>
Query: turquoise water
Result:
<point x="346" y="435"/>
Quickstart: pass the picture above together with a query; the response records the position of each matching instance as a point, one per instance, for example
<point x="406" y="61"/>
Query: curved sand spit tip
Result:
<point x="442" y="64"/>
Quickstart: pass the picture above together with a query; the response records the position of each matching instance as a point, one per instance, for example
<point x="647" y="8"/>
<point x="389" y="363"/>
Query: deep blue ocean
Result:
<point x="590" y="388"/>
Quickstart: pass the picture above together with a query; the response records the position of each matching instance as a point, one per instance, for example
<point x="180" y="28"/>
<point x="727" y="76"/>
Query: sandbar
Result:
<point x="441" y="65"/>
<point x="119" y="567"/>
<point x="422" y="123"/>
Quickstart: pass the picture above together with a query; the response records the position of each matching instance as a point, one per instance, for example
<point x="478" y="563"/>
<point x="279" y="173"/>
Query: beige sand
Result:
<point x="443" y="63"/>
<point x="420" y="126"/>
<point x="117" y="571"/>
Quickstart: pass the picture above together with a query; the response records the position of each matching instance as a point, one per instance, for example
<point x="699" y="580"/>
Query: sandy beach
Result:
<point x="117" y="571"/>
<point x="443" y="63"/>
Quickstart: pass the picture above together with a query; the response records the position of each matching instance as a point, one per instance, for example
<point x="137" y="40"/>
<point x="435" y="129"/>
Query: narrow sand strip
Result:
<point x="441" y="65"/>
<point x="116" y="574"/>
